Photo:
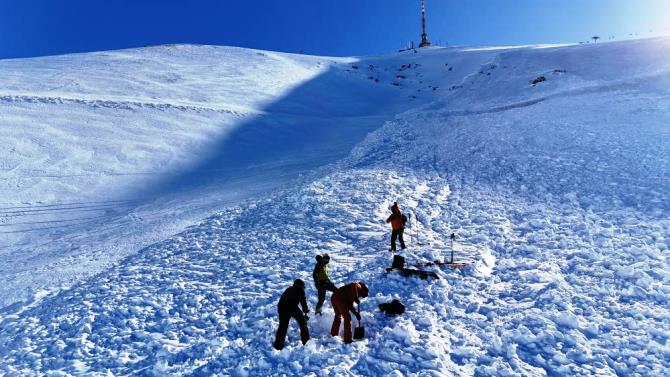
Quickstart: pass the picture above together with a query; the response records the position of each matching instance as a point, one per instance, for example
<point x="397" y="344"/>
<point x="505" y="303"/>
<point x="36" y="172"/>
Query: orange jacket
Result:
<point x="395" y="219"/>
<point x="348" y="295"/>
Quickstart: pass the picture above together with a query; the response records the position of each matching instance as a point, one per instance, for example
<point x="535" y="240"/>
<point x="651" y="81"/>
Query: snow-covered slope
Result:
<point x="557" y="192"/>
<point x="106" y="153"/>
<point x="82" y="134"/>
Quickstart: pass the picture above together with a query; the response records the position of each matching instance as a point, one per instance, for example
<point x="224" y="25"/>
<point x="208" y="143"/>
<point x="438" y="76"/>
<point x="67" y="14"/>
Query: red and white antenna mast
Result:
<point x="424" y="36"/>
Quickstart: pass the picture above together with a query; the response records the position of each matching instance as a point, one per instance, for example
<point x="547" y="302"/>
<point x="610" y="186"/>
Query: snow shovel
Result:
<point x="359" y="332"/>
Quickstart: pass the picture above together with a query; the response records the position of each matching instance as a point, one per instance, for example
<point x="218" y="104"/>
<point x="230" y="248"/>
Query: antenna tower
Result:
<point x="424" y="36"/>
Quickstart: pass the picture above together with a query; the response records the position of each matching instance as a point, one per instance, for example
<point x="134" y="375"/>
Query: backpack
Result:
<point x="394" y="307"/>
<point x="398" y="262"/>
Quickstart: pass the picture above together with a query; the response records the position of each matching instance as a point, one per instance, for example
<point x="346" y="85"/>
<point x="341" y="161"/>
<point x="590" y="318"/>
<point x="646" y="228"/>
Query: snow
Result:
<point x="160" y="199"/>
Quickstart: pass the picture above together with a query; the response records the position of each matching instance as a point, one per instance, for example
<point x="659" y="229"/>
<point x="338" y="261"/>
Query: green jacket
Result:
<point x="320" y="273"/>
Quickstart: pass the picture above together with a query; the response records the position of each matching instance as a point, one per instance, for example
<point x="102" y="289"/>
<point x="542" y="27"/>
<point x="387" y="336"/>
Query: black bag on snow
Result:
<point x="394" y="307"/>
<point x="398" y="262"/>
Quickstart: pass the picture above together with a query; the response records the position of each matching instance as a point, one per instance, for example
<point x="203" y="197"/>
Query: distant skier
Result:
<point x="343" y="303"/>
<point x="321" y="280"/>
<point x="397" y="220"/>
<point x="287" y="308"/>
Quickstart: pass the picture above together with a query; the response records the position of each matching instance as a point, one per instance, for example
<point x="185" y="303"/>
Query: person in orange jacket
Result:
<point x="397" y="220"/>
<point x="343" y="300"/>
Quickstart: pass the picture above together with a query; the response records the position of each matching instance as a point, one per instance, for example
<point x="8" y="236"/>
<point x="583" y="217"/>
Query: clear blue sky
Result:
<point x="326" y="27"/>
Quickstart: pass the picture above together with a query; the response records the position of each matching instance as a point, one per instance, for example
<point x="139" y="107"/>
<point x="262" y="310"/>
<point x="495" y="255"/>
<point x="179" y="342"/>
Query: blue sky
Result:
<point x="324" y="27"/>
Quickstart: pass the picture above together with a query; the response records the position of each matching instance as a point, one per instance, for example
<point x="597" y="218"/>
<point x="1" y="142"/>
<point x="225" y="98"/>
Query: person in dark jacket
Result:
<point x="343" y="303"/>
<point x="397" y="220"/>
<point x="321" y="280"/>
<point x="287" y="308"/>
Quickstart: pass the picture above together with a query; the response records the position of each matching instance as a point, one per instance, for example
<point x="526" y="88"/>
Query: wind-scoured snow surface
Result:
<point x="156" y="203"/>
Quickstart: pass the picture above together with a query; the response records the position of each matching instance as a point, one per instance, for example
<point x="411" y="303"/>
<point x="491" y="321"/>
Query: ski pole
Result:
<point x="410" y="228"/>
<point x="416" y="232"/>
<point x="453" y="237"/>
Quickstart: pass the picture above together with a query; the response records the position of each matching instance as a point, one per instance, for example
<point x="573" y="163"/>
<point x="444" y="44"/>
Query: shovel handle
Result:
<point x="358" y="307"/>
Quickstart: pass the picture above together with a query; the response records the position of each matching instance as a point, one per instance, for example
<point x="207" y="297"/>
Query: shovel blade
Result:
<point x="359" y="332"/>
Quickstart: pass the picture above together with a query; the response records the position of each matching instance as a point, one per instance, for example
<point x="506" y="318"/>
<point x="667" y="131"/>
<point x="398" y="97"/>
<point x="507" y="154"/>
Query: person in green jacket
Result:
<point x="321" y="280"/>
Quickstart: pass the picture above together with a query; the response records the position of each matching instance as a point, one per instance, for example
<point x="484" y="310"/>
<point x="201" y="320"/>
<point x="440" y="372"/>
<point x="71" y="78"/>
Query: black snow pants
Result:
<point x="285" y="314"/>
<point x="322" y="289"/>
<point x="397" y="234"/>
